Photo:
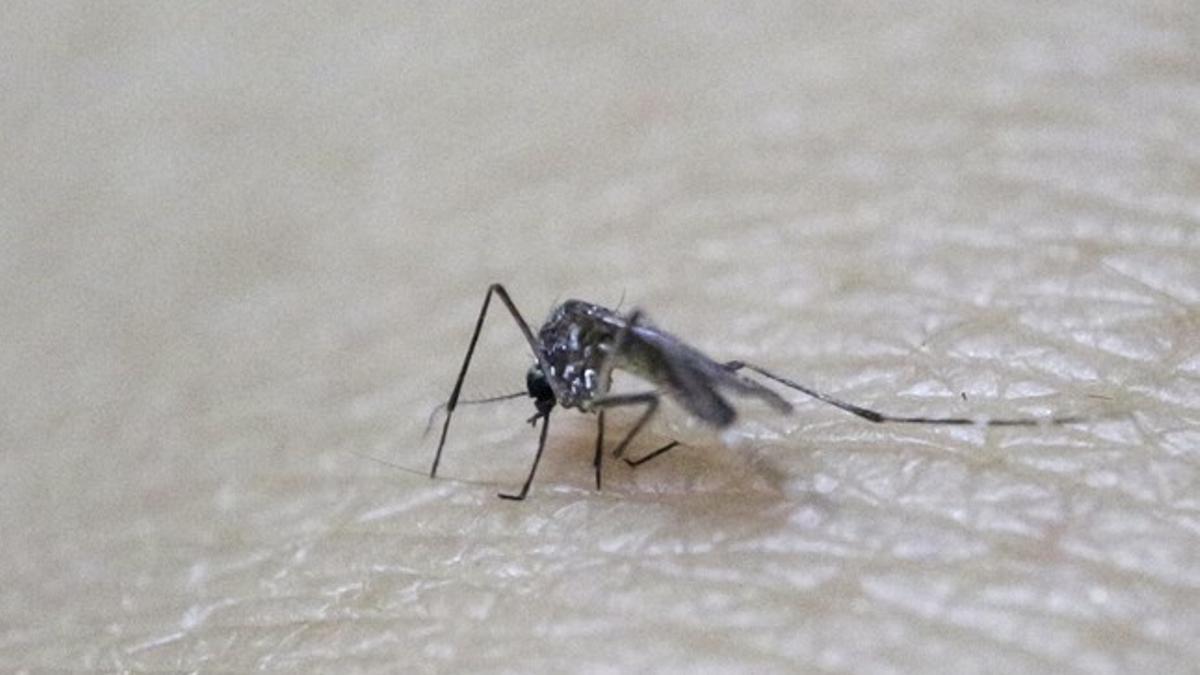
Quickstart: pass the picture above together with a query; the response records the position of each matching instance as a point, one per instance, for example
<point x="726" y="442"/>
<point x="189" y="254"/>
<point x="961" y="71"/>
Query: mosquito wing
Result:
<point x="689" y="376"/>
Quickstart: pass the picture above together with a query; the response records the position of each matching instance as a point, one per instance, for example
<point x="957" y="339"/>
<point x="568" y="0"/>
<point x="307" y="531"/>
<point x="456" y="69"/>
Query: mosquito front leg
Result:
<point x="451" y="404"/>
<point x="536" y="458"/>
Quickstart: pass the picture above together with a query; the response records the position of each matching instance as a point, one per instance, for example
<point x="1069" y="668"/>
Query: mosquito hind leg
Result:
<point x="865" y="413"/>
<point x="881" y="417"/>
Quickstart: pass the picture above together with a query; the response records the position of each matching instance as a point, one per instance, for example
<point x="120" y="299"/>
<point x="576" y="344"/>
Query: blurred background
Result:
<point x="242" y="248"/>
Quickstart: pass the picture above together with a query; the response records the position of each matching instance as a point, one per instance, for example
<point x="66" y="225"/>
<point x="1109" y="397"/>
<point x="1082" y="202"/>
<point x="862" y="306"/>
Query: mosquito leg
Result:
<point x="451" y="404"/>
<point x="880" y="417"/>
<point x="636" y="462"/>
<point x="536" y="458"/>
<point x="618" y="343"/>
<point x="642" y="460"/>
<point x="599" y="458"/>
<point x="648" y="399"/>
<point x="603" y="387"/>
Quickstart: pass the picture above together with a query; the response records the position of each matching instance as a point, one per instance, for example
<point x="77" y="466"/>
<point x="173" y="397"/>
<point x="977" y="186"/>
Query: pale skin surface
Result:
<point x="244" y="248"/>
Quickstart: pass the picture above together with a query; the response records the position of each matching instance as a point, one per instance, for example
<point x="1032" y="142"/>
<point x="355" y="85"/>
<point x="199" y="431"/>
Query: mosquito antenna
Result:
<point x="880" y="418"/>
<point x="475" y="401"/>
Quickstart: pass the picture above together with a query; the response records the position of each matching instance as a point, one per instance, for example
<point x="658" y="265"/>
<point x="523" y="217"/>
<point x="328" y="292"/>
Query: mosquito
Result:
<point x="579" y="346"/>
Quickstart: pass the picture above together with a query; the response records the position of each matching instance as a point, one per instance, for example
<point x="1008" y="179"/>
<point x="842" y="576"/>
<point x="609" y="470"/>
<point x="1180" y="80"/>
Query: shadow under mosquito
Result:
<point x="695" y="472"/>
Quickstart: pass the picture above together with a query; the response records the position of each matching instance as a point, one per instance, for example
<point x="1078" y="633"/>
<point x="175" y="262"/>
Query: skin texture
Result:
<point x="243" y="248"/>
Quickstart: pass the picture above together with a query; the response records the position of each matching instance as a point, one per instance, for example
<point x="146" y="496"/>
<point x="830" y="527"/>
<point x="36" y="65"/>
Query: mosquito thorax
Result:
<point x="539" y="389"/>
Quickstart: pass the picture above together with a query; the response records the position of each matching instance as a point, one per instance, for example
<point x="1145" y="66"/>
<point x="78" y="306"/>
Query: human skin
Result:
<point x="244" y="250"/>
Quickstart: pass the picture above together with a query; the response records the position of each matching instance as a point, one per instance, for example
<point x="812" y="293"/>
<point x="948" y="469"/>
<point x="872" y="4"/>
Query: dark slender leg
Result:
<point x="462" y="374"/>
<point x="635" y="462"/>
<point x="642" y="460"/>
<point x="599" y="458"/>
<point x="536" y="458"/>
<point x="648" y="399"/>
<point x="879" y="417"/>
<point x="603" y="387"/>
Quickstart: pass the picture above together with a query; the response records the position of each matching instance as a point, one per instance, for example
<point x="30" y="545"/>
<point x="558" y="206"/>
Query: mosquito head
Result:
<point x="539" y="389"/>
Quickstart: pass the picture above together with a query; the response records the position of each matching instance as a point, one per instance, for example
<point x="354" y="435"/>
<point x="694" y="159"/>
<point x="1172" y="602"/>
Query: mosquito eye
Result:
<point x="536" y="384"/>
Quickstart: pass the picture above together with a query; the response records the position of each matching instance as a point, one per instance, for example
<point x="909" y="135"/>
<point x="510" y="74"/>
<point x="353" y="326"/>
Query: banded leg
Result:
<point x="881" y="418"/>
